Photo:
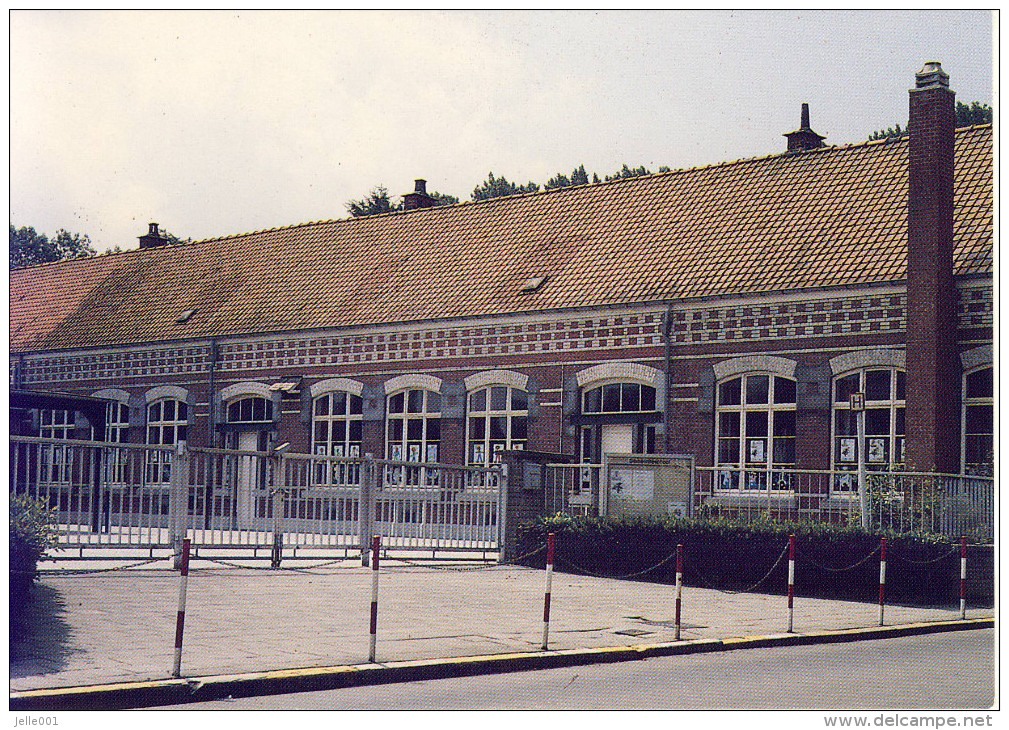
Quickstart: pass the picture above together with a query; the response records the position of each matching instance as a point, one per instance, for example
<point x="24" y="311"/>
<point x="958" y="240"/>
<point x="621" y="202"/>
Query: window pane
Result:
<point x="396" y="430"/>
<point x="498" y="398"/>
<point x="520" y="400"/>
<point x="233" y="412"/>
<point x="844" y="387"/>
<point x="647" y="398"/>
<point x="433" y="429"/>
<point x="519" y="428"/>
<point x="877" y="421"/>
<point x="339" y="403"/>
<point x="593" y="400"/>
<point x="611" y="398"/>
<point x="784" y="451"/>
<point x="901" y="385"/>
<point x="396" y="403"/>
<point x="631" y="397"/>
<point x="183" y="411"/>
<point x="476" y="428"/>
<point x="898" y="417"/>
<point x="784" y="423"/>
<point x="153" y="411"/>
<point x="339" y="431"/>
<point x="784" y="390"/>
<point x="321" y="406"/>
<point x="729" y="392"/>
<point x="355" y="430"/>
<point x="321" y="432"/>
<point x="415" y="401"/>
<point x="980" y="451"/>
<point x="728" y="451"/>
<point x="756" y="424"/>
<point x="498" y="428"/>
<point x="414" y="429"/>
<point x="980" y="419"/>
<point x="168" y="408"/>
<point x="877" y="385"/>
<point x="845" y="423"/>
<point x="355" y="405"/>
<point x="478" y="401"/>
<point x="980" y="384"/>
<point x="756" y="389"/>
<point x="728" y="424"/>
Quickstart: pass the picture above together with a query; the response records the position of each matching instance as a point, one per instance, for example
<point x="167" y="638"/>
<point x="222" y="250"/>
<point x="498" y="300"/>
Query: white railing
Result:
<point x="143" y="496"/>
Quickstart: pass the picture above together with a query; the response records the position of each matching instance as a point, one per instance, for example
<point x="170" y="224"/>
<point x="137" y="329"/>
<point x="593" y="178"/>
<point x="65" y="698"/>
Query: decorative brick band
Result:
<point x="413" y="380"/>
<point x="331" y="385"/>
<point x="497" y="377"/>
<point x="976" y="358"/>
<point x="868" y="358"/>
<point x="166" y="391"/>
<point x="621" y="371"/>
<point x="755" y="363"/>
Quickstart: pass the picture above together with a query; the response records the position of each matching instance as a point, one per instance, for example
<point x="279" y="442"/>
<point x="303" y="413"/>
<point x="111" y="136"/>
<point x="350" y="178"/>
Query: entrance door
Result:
<point x="617" y="438"/>
<point x="251" y="472"/>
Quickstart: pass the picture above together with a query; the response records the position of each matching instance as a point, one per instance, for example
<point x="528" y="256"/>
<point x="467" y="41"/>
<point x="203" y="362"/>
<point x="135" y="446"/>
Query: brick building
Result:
<point x="726" y="311"/>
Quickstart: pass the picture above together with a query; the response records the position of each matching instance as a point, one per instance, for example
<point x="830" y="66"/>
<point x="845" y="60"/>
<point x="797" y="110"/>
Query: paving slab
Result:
<point x="115" y="626"/>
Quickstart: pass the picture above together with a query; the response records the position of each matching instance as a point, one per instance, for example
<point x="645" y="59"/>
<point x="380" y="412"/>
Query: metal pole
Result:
<point x="180" y="620"/>
<point x="679" y="588"/>
<point x="882" y="578"/>
<point x="365" y="511"/>
<point x="376" y="545"/>
<point x="963" y="577"/>
<point x="791" y="582"/>
<point x="551" y="544"/>
<point x="863" y="497"/>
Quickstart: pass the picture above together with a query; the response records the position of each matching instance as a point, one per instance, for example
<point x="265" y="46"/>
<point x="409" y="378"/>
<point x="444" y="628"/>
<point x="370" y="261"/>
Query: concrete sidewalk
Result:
<point x="108" y="627"/>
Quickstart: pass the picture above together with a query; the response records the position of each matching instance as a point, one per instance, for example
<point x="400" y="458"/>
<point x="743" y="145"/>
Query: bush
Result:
<point x="832" y="561"/>
<point x="32" y="533"/>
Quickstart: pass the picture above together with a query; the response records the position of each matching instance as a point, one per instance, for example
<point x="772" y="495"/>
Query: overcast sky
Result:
<point x="220" y="123"/>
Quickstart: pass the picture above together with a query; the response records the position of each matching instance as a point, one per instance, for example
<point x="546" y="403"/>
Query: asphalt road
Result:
<point x="945" y="670"/>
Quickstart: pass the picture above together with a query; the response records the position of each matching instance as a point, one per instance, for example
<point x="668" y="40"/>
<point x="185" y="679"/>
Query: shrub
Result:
<point x="833" y="561"/>
<point x="32" y="533"/>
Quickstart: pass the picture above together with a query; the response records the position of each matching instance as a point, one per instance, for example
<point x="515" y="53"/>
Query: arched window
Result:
<point x="413" y="425"/>
<point x="250" y="410"/>
<point x="497" y="418"/>
<point x="619" y="398"/>
<point x="978" y="445"/>
<point x="56" y="459"/>
<point x="619" y="417"/>
<point x="336" y="431"/>
<point x="167" y="420"/>
<point x="755" y="431"/>
<point x="885" y="392"/>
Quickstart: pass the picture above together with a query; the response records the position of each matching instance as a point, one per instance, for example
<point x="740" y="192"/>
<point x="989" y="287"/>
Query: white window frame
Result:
<point x="847" y="472"/>
<point x="988" y="401"/>
<point x="399" y="449"/>
<point x="329" y="473"/>
<point x="158" y="462"/>
<point x="56" y="423"/>
<point x="509" y="413"/>
<point x="745" y="476"/>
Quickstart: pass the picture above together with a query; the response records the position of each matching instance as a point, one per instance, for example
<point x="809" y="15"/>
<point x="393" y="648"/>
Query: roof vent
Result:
<point x="533" y="285"/>
<point x="153" y="238"/>
<point x="931" y="75"/>
<point x="419" y="197"/>
<point x="804" y="138"/>
<point x="184" y="317"/>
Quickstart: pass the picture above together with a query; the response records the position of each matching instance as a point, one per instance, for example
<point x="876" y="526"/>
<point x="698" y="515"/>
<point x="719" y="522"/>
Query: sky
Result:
<point x="218" y="123"/>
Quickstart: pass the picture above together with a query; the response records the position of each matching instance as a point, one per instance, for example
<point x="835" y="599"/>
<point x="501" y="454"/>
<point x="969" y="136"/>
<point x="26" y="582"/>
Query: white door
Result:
<point x="618" y="438"/>
<point x="249" y="469"/>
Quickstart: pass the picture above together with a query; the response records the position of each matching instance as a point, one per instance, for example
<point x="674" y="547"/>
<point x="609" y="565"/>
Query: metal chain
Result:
<point x="744" y="590"/>
<point x="468" y="568"/>
<point x="839" y="570"/>
<point x="616" y="577"/>
<point x="89" y="571"/>
<point x="952" y="551"/>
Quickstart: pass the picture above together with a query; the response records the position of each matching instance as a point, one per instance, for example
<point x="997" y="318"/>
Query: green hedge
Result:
<point x="32" y="532"/>
<point x="832" y="561"/>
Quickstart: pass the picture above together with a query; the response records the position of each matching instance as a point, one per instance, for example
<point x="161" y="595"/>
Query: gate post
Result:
<point x="275" y="463"/>
<point x="366" y="506"/>
<point x="178" y="499"/>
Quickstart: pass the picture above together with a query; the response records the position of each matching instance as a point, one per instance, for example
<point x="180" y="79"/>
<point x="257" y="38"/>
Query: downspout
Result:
<point x="212" y="399"/>
<point x="667" y="327"/>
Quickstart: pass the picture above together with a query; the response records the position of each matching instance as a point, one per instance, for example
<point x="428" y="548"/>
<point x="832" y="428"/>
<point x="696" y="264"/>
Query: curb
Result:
<point x="154" y="693"/>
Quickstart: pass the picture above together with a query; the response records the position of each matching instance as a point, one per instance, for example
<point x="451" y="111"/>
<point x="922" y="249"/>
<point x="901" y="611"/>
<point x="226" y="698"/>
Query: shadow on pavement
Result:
<point x="39" y="635"/>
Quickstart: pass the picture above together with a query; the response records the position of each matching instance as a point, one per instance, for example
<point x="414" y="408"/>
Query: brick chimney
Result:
<point x="933" y="368"/>
<point x="153" y="238"/>
<point x="419" y="197"/>
<point x="804" y="138"/>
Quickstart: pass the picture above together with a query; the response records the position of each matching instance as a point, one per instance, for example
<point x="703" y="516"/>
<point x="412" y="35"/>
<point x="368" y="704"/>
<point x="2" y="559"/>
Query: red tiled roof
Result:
<point x="821" y="218"/>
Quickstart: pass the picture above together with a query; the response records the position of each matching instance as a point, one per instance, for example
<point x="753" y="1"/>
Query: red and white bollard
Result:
<point x="882" y="578"/>
<point x="679" y="588"/>
<point x="963" y="577"/>
<point x="791" y="582"/>
<point x="180" y="619"/>
<point x="376" y="545"/>
<point x="551" y="544"/>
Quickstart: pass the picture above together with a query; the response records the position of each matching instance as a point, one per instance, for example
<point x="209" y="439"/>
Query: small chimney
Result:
<point x="154" y="238"/>
<point x="419" y="197"/>
<point x="804" y="138"/>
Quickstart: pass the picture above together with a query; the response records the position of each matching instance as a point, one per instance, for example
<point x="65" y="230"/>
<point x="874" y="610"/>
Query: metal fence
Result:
<point x="151" y="496"/>
<point x="945" y="504"/>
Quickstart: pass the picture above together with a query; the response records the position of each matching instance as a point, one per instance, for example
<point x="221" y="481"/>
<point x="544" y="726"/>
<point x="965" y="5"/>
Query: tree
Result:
<point x="579" y="176"/>
<point x="28" y="247"/>
<point x="496" y="187"/>
<point x="966" y="116"/>
<point x="378" y="202"/>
